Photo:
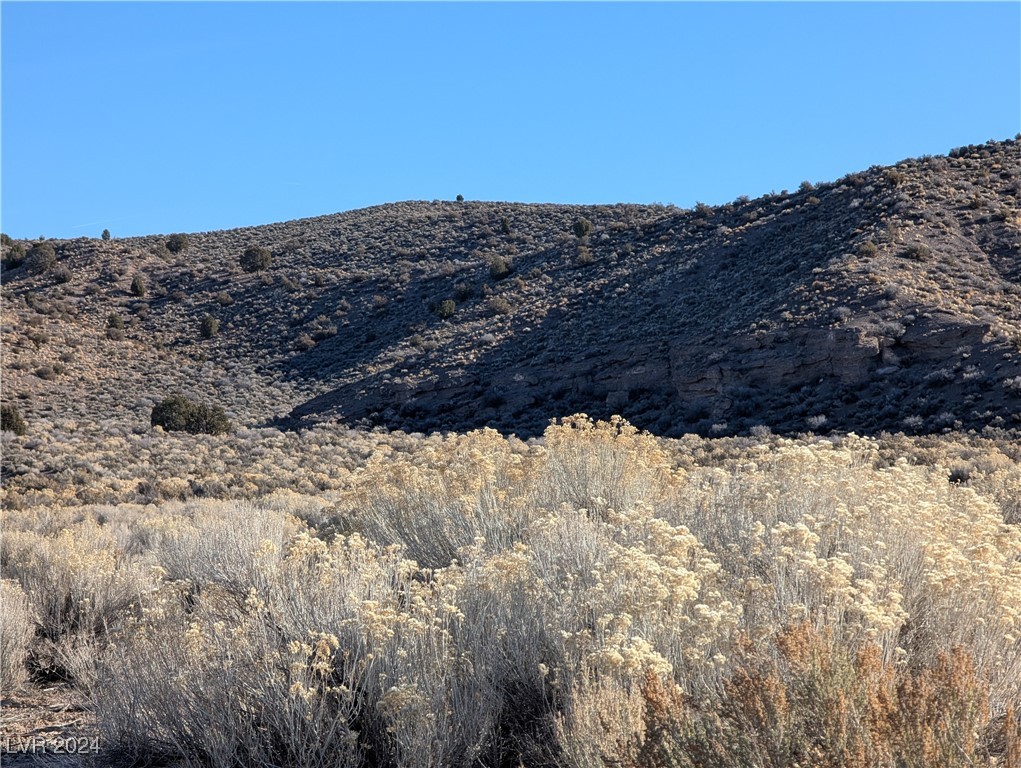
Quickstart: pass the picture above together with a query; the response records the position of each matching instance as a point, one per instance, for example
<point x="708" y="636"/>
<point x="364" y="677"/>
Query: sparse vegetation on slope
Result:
<point x="886" y="300"/>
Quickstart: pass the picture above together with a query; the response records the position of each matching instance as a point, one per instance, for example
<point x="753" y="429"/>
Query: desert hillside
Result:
<point x="889" y="299"/>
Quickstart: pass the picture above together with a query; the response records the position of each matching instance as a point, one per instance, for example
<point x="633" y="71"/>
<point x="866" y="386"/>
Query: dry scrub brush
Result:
<point x="472" y="600"/>
<point x="16" y="631"/>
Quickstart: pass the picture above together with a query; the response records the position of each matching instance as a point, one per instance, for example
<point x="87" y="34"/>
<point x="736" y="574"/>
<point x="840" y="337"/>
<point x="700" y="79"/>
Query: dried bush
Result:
<point x="498" y="305"/>
<point x="16" y="631"/>
<point x="80" y="585"/>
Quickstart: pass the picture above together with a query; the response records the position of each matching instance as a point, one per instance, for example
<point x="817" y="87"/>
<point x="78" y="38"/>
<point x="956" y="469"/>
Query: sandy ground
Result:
<point x="47" y="726"/>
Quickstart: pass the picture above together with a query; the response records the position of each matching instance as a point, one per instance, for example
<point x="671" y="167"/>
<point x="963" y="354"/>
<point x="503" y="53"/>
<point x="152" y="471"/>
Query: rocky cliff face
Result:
<point x="887" y="300"/>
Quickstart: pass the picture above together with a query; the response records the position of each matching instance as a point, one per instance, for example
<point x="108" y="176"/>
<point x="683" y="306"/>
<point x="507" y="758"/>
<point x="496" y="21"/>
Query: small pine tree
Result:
<point x="498" y="267"/>
<point x="138" y="286"/>
<point x="41" y="258"/>
<point x="460" y="198"/>
<point x="13" y="256"/>
<point x="106" y="234"/>
<point x="172" y="413"/>
<point x="210" y="327"/>
<point x="446" y="308"/>
<point x="11" y="420"/>
<point x="256" y="259"/>
<point x="582" y="228"/>
<point x="178" y="414"/>
<point x="210" y="420"/>
<point x="177" y="243"/>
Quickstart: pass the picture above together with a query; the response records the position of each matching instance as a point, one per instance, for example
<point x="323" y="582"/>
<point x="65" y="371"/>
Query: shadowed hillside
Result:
<point x="887" y="300"/>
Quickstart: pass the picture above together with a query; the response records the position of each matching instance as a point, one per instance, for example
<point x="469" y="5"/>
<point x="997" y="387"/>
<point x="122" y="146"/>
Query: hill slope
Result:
<point x="888" y="300"/>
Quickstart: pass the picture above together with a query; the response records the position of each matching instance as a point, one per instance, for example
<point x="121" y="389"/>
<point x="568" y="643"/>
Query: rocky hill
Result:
<point x="889" y="299"/>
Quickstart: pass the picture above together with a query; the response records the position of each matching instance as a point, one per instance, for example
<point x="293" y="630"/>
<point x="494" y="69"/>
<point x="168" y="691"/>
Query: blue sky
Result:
<point x="162" y="117"/>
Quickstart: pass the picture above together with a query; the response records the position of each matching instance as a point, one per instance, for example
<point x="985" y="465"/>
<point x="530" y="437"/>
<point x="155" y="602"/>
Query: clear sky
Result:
<point x="163" y="117"/>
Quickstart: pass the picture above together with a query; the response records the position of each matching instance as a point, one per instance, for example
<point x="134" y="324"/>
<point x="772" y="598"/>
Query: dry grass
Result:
<point x="603" y="597"/>
<point x="17" y="628"/>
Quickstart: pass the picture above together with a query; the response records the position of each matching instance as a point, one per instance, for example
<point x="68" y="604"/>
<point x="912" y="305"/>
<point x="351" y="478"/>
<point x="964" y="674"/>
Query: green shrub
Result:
<point x="11" y="420"/>
<point x="460" y="198"/>
<point x="582" y="228"/>
<point x="210" y="327"/>
<point x="106" y="234"/>
<point x="446" y="308"/>
<point x="41" y="258"/>
<point x="179" y="414"/>
<point x="114" y="327"/>
<point x="5" y="240"/>
<point x="498" y="267"/>
<point x="505" y="225"/>
<point x="256" y="259"/>
<point x="138" y="286"/>
<point x="177" y="243"/>
<point x="14" y="255"/>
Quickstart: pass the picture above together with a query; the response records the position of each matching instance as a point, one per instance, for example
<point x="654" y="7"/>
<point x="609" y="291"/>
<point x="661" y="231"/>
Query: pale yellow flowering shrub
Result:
<point x="597" y="597"/>
<point x="217" y="543"/>
<point x="440" y="498"/>
<point x="215" y="691"/>
<point x="17" y="627"/>
<point x="896" y="556"/>
<point x="77" y="580"/>
<point x="582" y="461"/>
